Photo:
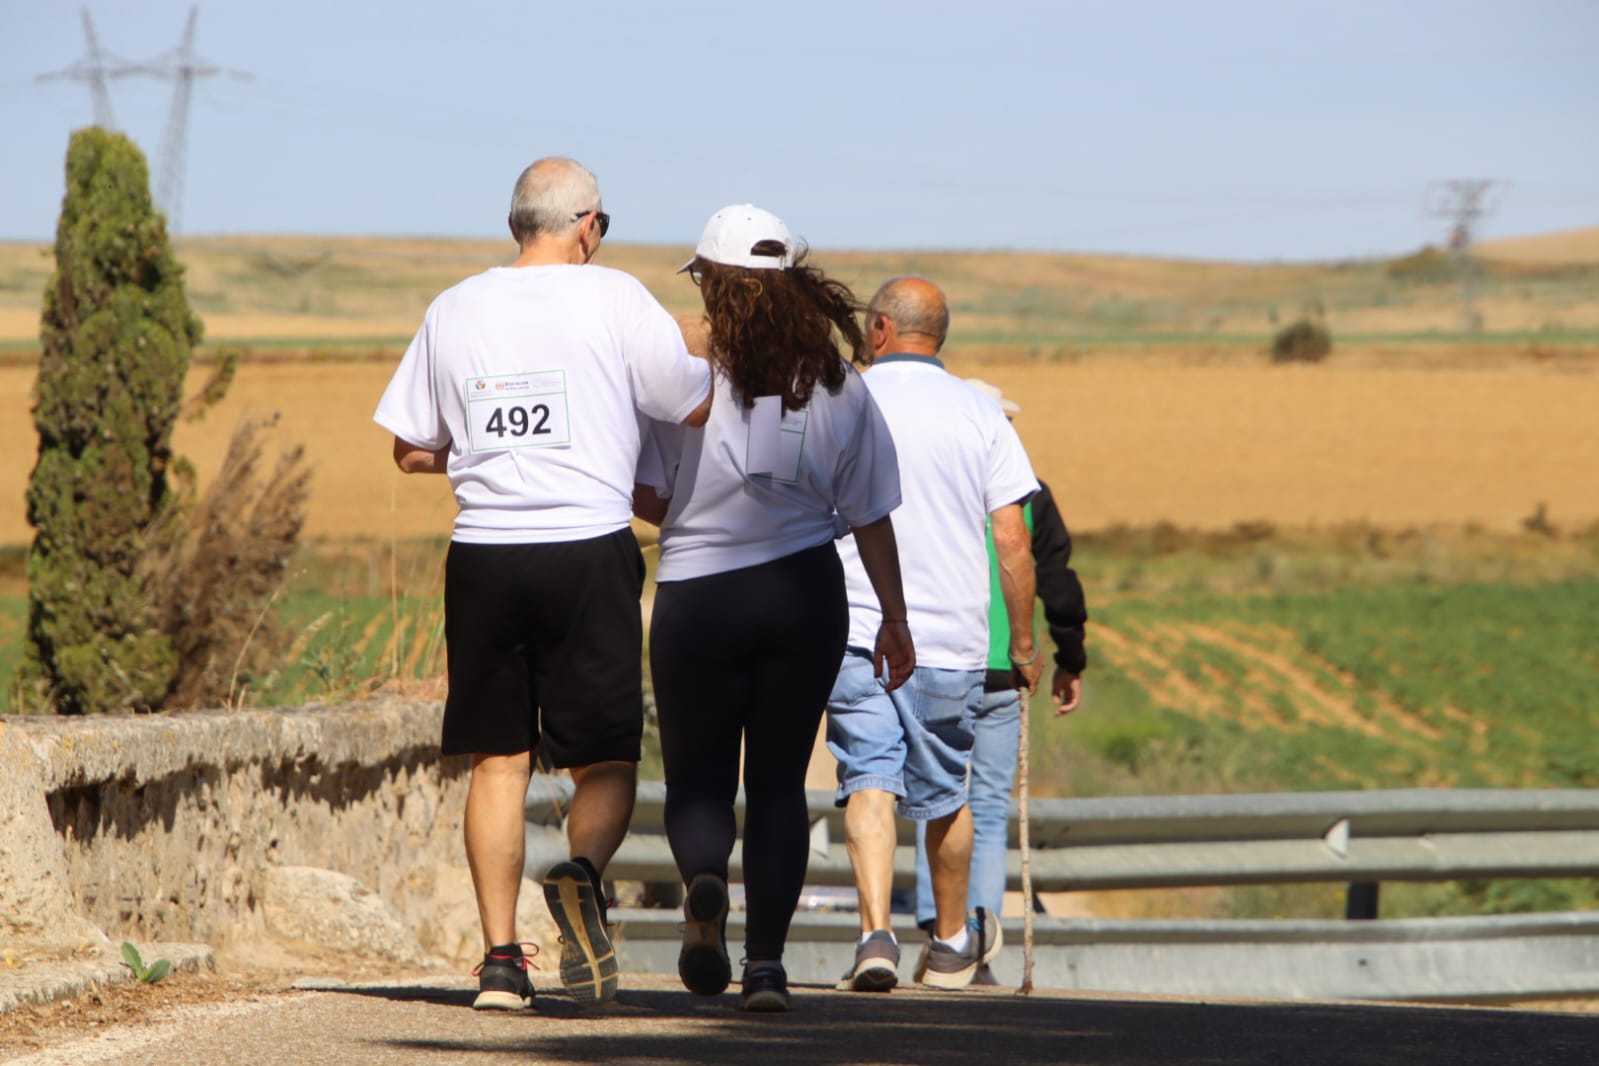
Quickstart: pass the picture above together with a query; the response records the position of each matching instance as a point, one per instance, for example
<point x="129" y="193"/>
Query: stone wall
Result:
<point x="164" y="827"/>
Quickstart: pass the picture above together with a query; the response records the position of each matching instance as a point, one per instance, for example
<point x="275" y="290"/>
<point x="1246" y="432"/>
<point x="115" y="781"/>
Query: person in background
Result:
<point x="998" y="723"/>
<point x="525" y="387"/>
<point x="961" y="467"/>
<point x="750" y="618"/>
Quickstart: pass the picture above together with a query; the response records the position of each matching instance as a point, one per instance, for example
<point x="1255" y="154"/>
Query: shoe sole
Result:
<point x="949" y="978"/>
<point x="874" y="978"/>
<point x="492" y="1000"/>
<point x="703" y="964"/>
<point x="766" y="1003"/>
<point x="589" y="968"/>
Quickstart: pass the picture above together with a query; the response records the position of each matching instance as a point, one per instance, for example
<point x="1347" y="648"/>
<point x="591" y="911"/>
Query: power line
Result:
<point x="94" y="68"/>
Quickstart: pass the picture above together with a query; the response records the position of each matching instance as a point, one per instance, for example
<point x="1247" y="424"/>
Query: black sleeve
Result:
<point x="1064" y="608"/>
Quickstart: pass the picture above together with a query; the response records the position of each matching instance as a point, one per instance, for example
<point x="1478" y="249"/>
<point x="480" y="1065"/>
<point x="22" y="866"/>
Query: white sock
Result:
<point x="958" y="942"/>
<point x="890" y="932"/>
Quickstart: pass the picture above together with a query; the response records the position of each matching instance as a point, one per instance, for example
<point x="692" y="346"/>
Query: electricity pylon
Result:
<point x="1465" y="202"/>
<point x="183" y="66"/>
<point x="93" y="68"/>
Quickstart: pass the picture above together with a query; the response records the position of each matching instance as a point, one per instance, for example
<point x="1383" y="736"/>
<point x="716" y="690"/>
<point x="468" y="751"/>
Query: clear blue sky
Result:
<point x="1238" y="129"/>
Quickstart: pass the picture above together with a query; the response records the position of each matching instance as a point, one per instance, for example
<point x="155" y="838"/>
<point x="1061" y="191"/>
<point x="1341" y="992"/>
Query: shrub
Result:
<point x="1301" y="341"/>
<point x="213" y="585"/>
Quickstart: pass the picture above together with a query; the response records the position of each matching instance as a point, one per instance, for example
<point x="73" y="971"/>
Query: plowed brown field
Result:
<point x="1137" y="443"/>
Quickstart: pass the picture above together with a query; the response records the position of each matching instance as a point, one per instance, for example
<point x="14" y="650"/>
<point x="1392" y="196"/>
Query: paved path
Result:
<point x="654" y="1022"/>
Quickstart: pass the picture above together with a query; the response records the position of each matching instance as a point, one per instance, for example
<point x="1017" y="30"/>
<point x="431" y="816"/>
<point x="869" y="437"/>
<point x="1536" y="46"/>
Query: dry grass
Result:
<point x="1570" y="246"/>
<point x="1142" y="380"/>
<point x="1122" y="442"/>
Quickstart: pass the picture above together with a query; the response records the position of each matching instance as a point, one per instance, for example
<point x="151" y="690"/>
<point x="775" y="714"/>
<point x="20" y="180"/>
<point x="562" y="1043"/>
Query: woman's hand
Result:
<point x="895" y="648"/>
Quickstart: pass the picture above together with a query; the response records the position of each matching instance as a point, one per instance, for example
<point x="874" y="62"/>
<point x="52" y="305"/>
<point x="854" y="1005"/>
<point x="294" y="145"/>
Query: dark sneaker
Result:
<point x="588" y="960"/>
<point x="876" y="966"/>
<point x="502" y="981"/>
<point x="703" y="964"/>
<point x="955" y="969"/>
<point x="765" y="990"/>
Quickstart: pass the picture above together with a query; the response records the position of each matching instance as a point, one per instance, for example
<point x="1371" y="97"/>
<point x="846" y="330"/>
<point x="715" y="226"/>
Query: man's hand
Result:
<point x="1024" y="674"/>
<point x="895" y="648"/>
<point x="1068" y="692"/>
<point x="696" y="331"/>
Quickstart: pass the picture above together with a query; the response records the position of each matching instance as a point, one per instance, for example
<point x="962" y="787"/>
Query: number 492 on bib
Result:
<point x="506" y="411"/>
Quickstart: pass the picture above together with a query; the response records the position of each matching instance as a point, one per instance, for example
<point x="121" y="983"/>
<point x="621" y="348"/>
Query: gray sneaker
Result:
<point x="876" y="966"/>
<point x="945" y="968"/>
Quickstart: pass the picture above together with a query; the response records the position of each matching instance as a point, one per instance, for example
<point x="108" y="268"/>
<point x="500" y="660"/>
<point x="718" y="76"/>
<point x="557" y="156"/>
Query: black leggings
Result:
<point x="748" y="654"/>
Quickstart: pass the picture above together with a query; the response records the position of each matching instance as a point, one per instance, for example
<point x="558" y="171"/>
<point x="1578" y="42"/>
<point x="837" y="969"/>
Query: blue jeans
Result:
<point x="998" y="729"/>
<point x="914" y="742"/>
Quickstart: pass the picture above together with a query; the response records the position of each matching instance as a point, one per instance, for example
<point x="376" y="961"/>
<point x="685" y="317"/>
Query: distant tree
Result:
<point x="1301" y="341"/>
<point x="115" y="341"/>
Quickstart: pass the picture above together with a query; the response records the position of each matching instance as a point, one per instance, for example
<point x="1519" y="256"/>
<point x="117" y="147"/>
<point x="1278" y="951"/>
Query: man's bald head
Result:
<point x="916" y="310"/>
<point x="550" y="196"/>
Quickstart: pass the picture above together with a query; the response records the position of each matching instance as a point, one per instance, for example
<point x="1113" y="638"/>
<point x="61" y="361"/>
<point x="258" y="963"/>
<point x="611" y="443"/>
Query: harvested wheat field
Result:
<point x="1120" y="443"/>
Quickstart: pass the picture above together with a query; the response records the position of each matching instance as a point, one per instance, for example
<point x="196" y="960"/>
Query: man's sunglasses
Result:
<point x="601" y="217"/>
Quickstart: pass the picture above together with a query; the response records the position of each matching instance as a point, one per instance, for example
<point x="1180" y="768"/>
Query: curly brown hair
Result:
<point x="776" y="332"/>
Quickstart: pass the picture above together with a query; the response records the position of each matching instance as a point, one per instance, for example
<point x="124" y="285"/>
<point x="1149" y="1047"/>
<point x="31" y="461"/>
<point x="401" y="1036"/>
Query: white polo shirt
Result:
<point x="536" y="378"/>
<point x="959" y="461"/>
<point x="828" y="467"/>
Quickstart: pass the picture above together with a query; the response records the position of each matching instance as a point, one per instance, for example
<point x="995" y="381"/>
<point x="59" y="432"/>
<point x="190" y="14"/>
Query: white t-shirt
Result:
<point x="959" y="461"/>
<point x="537" y="377"/>
<point x="832" y="460"/>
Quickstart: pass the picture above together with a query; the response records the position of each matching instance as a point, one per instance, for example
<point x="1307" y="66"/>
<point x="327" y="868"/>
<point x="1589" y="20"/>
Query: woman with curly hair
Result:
<point x="750" y="618"/>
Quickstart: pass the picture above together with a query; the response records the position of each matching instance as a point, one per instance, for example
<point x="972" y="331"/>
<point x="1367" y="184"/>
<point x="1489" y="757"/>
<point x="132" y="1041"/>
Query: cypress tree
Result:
<point x="115" y="337"/>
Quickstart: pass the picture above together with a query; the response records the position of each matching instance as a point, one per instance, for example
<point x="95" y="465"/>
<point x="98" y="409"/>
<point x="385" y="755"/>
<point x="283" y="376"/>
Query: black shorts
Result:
<point x="545" y="639"/>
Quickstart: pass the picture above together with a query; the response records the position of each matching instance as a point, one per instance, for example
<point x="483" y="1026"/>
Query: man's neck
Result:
<point x="906" y="347"/>
<point x="549" y="253"/>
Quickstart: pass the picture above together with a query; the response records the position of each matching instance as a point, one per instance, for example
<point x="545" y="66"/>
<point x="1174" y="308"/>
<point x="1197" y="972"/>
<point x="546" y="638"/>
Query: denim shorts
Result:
<point x="914" y="742"/>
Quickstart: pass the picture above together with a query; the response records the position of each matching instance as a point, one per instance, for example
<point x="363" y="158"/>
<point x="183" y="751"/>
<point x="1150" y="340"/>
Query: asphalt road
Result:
<point x="654" y="1022"/>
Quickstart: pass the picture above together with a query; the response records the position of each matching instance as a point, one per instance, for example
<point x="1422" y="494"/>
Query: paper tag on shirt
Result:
<point x="777" y="440"/>
<point x="506" y="411"/>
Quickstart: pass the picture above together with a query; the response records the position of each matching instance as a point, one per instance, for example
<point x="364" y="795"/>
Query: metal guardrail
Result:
<point x="1168" y="841"/>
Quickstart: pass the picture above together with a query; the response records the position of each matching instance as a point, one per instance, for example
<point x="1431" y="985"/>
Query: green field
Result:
<point x="1249" y="660"/>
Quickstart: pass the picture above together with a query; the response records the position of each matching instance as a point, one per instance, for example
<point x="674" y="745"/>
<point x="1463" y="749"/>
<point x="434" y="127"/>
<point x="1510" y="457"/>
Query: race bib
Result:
<point x="506" y="411"/>
<point x="776" y="441"/>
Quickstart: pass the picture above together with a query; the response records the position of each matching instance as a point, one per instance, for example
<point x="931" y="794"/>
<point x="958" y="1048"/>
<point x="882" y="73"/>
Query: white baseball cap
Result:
<point x="1010" y="407"/>
<point x="733" y="232"/>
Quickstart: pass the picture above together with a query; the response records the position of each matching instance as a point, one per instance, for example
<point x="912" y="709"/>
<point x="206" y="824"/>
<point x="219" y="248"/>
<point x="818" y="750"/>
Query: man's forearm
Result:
<point x="1017" y="584"/>
<point x="412" y="459"/>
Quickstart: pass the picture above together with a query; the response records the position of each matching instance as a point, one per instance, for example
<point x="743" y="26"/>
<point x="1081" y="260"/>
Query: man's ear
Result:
<point x="512" y="227"/>
<point x="587" y="242"/>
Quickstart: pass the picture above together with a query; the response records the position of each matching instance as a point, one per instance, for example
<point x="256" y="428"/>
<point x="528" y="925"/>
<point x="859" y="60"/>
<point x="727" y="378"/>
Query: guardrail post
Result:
<point x="1360" y="904"/>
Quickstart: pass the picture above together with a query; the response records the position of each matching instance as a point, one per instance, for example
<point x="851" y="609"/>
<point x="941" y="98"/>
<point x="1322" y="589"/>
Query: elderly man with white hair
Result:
<point x="961" y="469"/>
<point x="525" y="386"/>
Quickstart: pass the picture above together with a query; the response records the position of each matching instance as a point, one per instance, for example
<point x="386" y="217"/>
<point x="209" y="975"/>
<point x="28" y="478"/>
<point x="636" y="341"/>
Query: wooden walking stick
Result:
<point x="1022" y="752"/>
